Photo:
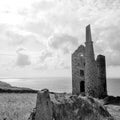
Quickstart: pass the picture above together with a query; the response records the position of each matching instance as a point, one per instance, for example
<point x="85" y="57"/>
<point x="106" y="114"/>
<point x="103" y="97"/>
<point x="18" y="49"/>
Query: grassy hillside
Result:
<point x="4" y="84"/>
<point x="16" y="106"/>
<point x="7" y="88"/>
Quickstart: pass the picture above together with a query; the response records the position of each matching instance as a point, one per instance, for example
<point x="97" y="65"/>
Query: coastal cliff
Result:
<point x="7" y="88"/>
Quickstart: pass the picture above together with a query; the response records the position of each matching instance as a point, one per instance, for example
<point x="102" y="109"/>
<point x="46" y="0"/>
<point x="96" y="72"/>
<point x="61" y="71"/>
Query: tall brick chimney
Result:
<point x="91" y="78"/>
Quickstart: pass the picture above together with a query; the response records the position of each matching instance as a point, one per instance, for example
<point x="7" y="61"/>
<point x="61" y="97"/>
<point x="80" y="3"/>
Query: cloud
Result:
<point x="41" y="27"/>
<point x="63" y="41"/>
<point x="44" y="5"/>
<point x="72" y="19"/>
<point x="22" y="59"/>
<point x="63" y="65"/>
<point x="45" y="60"/>
<point x="41" y="67"/>
<point x="106" y="34"/>
<point x="52" y="29"/>
<point x="44" y="55"/>
<point x="17" y="37"/>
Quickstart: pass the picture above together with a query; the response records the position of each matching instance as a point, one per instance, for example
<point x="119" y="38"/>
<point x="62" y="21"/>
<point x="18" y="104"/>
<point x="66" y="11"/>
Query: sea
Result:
<point x="59" y="84"/>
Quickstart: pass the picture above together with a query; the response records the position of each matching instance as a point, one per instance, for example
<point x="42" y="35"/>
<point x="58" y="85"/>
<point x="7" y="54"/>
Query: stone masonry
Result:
<point x="61" y="106"/>
<point x="78" y="67"/>
<point x="43" y="106"/>
<point x="101" y="65"/>
<point x="88" y="74"/>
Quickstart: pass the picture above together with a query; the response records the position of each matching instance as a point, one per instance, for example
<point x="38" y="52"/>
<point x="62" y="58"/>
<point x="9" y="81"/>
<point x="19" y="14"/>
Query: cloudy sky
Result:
<point x="37" y="37"/>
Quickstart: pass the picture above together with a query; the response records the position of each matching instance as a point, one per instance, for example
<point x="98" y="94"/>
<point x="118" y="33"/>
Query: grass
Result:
<point x="14" y="106"/>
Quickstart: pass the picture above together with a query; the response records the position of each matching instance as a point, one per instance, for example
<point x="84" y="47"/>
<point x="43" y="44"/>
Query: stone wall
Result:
<point x="78" y="66"/>
<point x="101" y="65"/>
<point x="54" y="106"/>
<point x="43" y="106"/>
<point x="91" y="78"/>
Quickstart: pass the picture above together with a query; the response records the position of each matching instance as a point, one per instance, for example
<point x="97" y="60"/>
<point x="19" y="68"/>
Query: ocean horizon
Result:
<point x="58" y="84"/>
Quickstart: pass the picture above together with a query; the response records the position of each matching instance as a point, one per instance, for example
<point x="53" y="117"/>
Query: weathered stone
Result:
<point x="101" y="65"/>
<point x="69" y="107"/>
<point x="111" y="100"/>
<point x="91" y="78"/>
<point x="78" y="65"/>
<point x="43" y="106"/>
<point x="88" y="74"/>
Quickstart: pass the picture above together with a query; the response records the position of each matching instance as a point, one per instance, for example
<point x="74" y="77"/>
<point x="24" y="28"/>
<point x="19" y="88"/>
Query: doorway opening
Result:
<point x="82" y="86"/>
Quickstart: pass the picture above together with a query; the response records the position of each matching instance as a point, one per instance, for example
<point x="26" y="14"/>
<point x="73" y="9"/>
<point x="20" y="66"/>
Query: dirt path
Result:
<point x="114" y="111"/>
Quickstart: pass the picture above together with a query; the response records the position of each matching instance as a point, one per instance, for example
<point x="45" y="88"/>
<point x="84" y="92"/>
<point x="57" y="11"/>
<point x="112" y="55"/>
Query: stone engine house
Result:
<point x="88" y="74"/>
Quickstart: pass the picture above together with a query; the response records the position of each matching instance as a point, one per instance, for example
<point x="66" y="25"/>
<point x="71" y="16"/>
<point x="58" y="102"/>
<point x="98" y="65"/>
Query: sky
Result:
<point x="37" y="37"/>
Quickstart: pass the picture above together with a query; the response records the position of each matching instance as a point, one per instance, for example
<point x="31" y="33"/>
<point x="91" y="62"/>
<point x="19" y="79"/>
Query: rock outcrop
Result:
<point x="54" y="106"/>
<point x="111" y="100"/>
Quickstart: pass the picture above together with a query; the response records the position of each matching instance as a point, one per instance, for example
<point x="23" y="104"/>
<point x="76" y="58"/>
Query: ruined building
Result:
<point x="88" y="74"/>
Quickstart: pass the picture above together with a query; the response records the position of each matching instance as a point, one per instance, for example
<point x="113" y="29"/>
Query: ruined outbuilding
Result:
<point x="88" y="74"/>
